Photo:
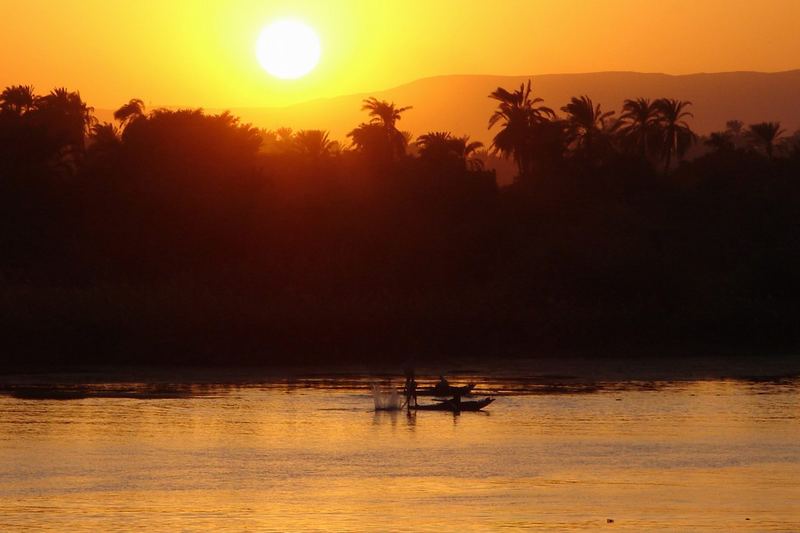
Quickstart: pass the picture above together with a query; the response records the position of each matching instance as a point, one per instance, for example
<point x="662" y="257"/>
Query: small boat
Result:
<point x="449" y="390"/>
<point x="451" y="405"/>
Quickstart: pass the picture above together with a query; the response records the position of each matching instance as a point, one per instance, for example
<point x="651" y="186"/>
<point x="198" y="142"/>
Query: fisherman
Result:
<point x="410" y="388"/>
<point x="443" y="386"/>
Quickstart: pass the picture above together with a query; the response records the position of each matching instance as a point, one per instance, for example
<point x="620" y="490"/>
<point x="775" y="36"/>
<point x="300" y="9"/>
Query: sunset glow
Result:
<point x="418" y="265"/>
<point x="192" y="53"/>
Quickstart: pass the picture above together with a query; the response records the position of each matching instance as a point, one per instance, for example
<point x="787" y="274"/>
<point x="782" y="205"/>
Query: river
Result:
<point x="310" y="454"/>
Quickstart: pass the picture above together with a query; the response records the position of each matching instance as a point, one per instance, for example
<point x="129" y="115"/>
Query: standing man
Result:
<point x="410" y="388"/>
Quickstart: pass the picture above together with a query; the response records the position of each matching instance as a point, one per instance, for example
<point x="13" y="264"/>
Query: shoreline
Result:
<point x="569" y="369"/>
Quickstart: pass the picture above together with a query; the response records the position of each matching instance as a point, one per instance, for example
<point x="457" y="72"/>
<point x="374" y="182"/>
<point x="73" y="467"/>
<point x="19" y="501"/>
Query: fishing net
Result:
<point x="386" y="398"/>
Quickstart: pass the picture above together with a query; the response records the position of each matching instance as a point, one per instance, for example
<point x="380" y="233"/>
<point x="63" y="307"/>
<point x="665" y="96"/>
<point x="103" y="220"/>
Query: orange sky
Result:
<point x="201" y="53"/>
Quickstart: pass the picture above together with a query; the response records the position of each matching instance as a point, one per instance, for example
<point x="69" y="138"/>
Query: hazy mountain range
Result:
<point x="459" y="103"/>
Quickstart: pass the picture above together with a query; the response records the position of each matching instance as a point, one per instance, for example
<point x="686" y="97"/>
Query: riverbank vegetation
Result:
<point x="175" y="236"/>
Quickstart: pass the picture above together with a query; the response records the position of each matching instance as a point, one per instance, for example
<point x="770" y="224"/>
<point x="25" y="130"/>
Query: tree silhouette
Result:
<point x="173" y="136"/>
<point x="385" y="115"/>
<point x="468" y="151"/>
<point x="585" y="124"/>
<point x="435" y="144"/>
<point x="791" y="145"/>
<point x="370" y="139"/>
<point x="129" y="112"/>
<point x="734" y="129"/>
<point x="284" y="139"/>
<point x="104" y="134"/>
<point x="765" y="135"/>
<point x="177" y="228"/>
<point x="77" y="115"/>
<point x="383" y="112"/>
<point x="734" y="126"/>
<point x="68" y="121"/>
<point x="314" y="144"/>
<point x="639" y="124"/>
<point x="104" y="145"/>
<point x="442" y="146"/>
<point x="17" y="99"/>
<point x="676" y="135"/>
<point x="284" y="134"/>
<point x="518" y="115"/>
<point x="720" y="141"/>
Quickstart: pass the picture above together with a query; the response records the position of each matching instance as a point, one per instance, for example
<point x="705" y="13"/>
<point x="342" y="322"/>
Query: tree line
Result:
<point x="176" y="235"/>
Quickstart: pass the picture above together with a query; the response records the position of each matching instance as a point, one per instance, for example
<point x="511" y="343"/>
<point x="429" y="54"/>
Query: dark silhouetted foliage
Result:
<point x="176" y="236"/>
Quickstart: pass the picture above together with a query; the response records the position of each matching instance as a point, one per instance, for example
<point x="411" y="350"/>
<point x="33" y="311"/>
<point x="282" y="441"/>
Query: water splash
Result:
<point x="386" y="398"/>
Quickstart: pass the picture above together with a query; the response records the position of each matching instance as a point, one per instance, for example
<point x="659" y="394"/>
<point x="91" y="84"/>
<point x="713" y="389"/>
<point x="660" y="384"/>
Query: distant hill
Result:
<point x="460" y="104"/>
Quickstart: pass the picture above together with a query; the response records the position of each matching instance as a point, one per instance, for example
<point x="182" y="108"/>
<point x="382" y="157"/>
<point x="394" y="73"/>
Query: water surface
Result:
<point x="284" y="455"/>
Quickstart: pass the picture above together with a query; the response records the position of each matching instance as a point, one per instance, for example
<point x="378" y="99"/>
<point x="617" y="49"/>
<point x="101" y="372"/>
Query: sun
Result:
<point x="288" y="49"/>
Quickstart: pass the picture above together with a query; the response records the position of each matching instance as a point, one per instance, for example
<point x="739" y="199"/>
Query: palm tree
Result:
<point x="734" y="129"/>
<point x="639" y="123"/>
<point x="104" y="142"/>
<point x="468" y="151"/>
<point x="17" y="99"/>
<point x="434" y="143"/>
<point x="518" y="114"/>
<point x="443" y="146"/>
<point x="791" y="145"/>
<point x="129" y="112"/>
<point x="585" y="123"/>
<point x="279" y="141"/>
<point x="408" y="138"/>
<point x="380" y="137"/>
<point x="284" y="134"/>
<point x="383" y="112"/>
<point x="69" y="120"/>
<point x="386" y="115"/>
<point x="734" y="126"/>
<point x="676" y="135"/>
<point x="71" y="104"/>
<point x="314" y="144"/>
<point x="765" y="135"/>
<point x="370" y="139"/>
<point x="104" y="133"/>
<point x="720" y="141"/>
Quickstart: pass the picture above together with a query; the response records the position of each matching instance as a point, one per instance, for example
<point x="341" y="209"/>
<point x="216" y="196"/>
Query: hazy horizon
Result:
<point x="379" y="90"/>
<point x="459" y="103"/>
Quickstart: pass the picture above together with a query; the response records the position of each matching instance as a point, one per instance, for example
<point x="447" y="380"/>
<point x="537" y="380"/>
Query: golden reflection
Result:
<point x="668" y="455"/>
